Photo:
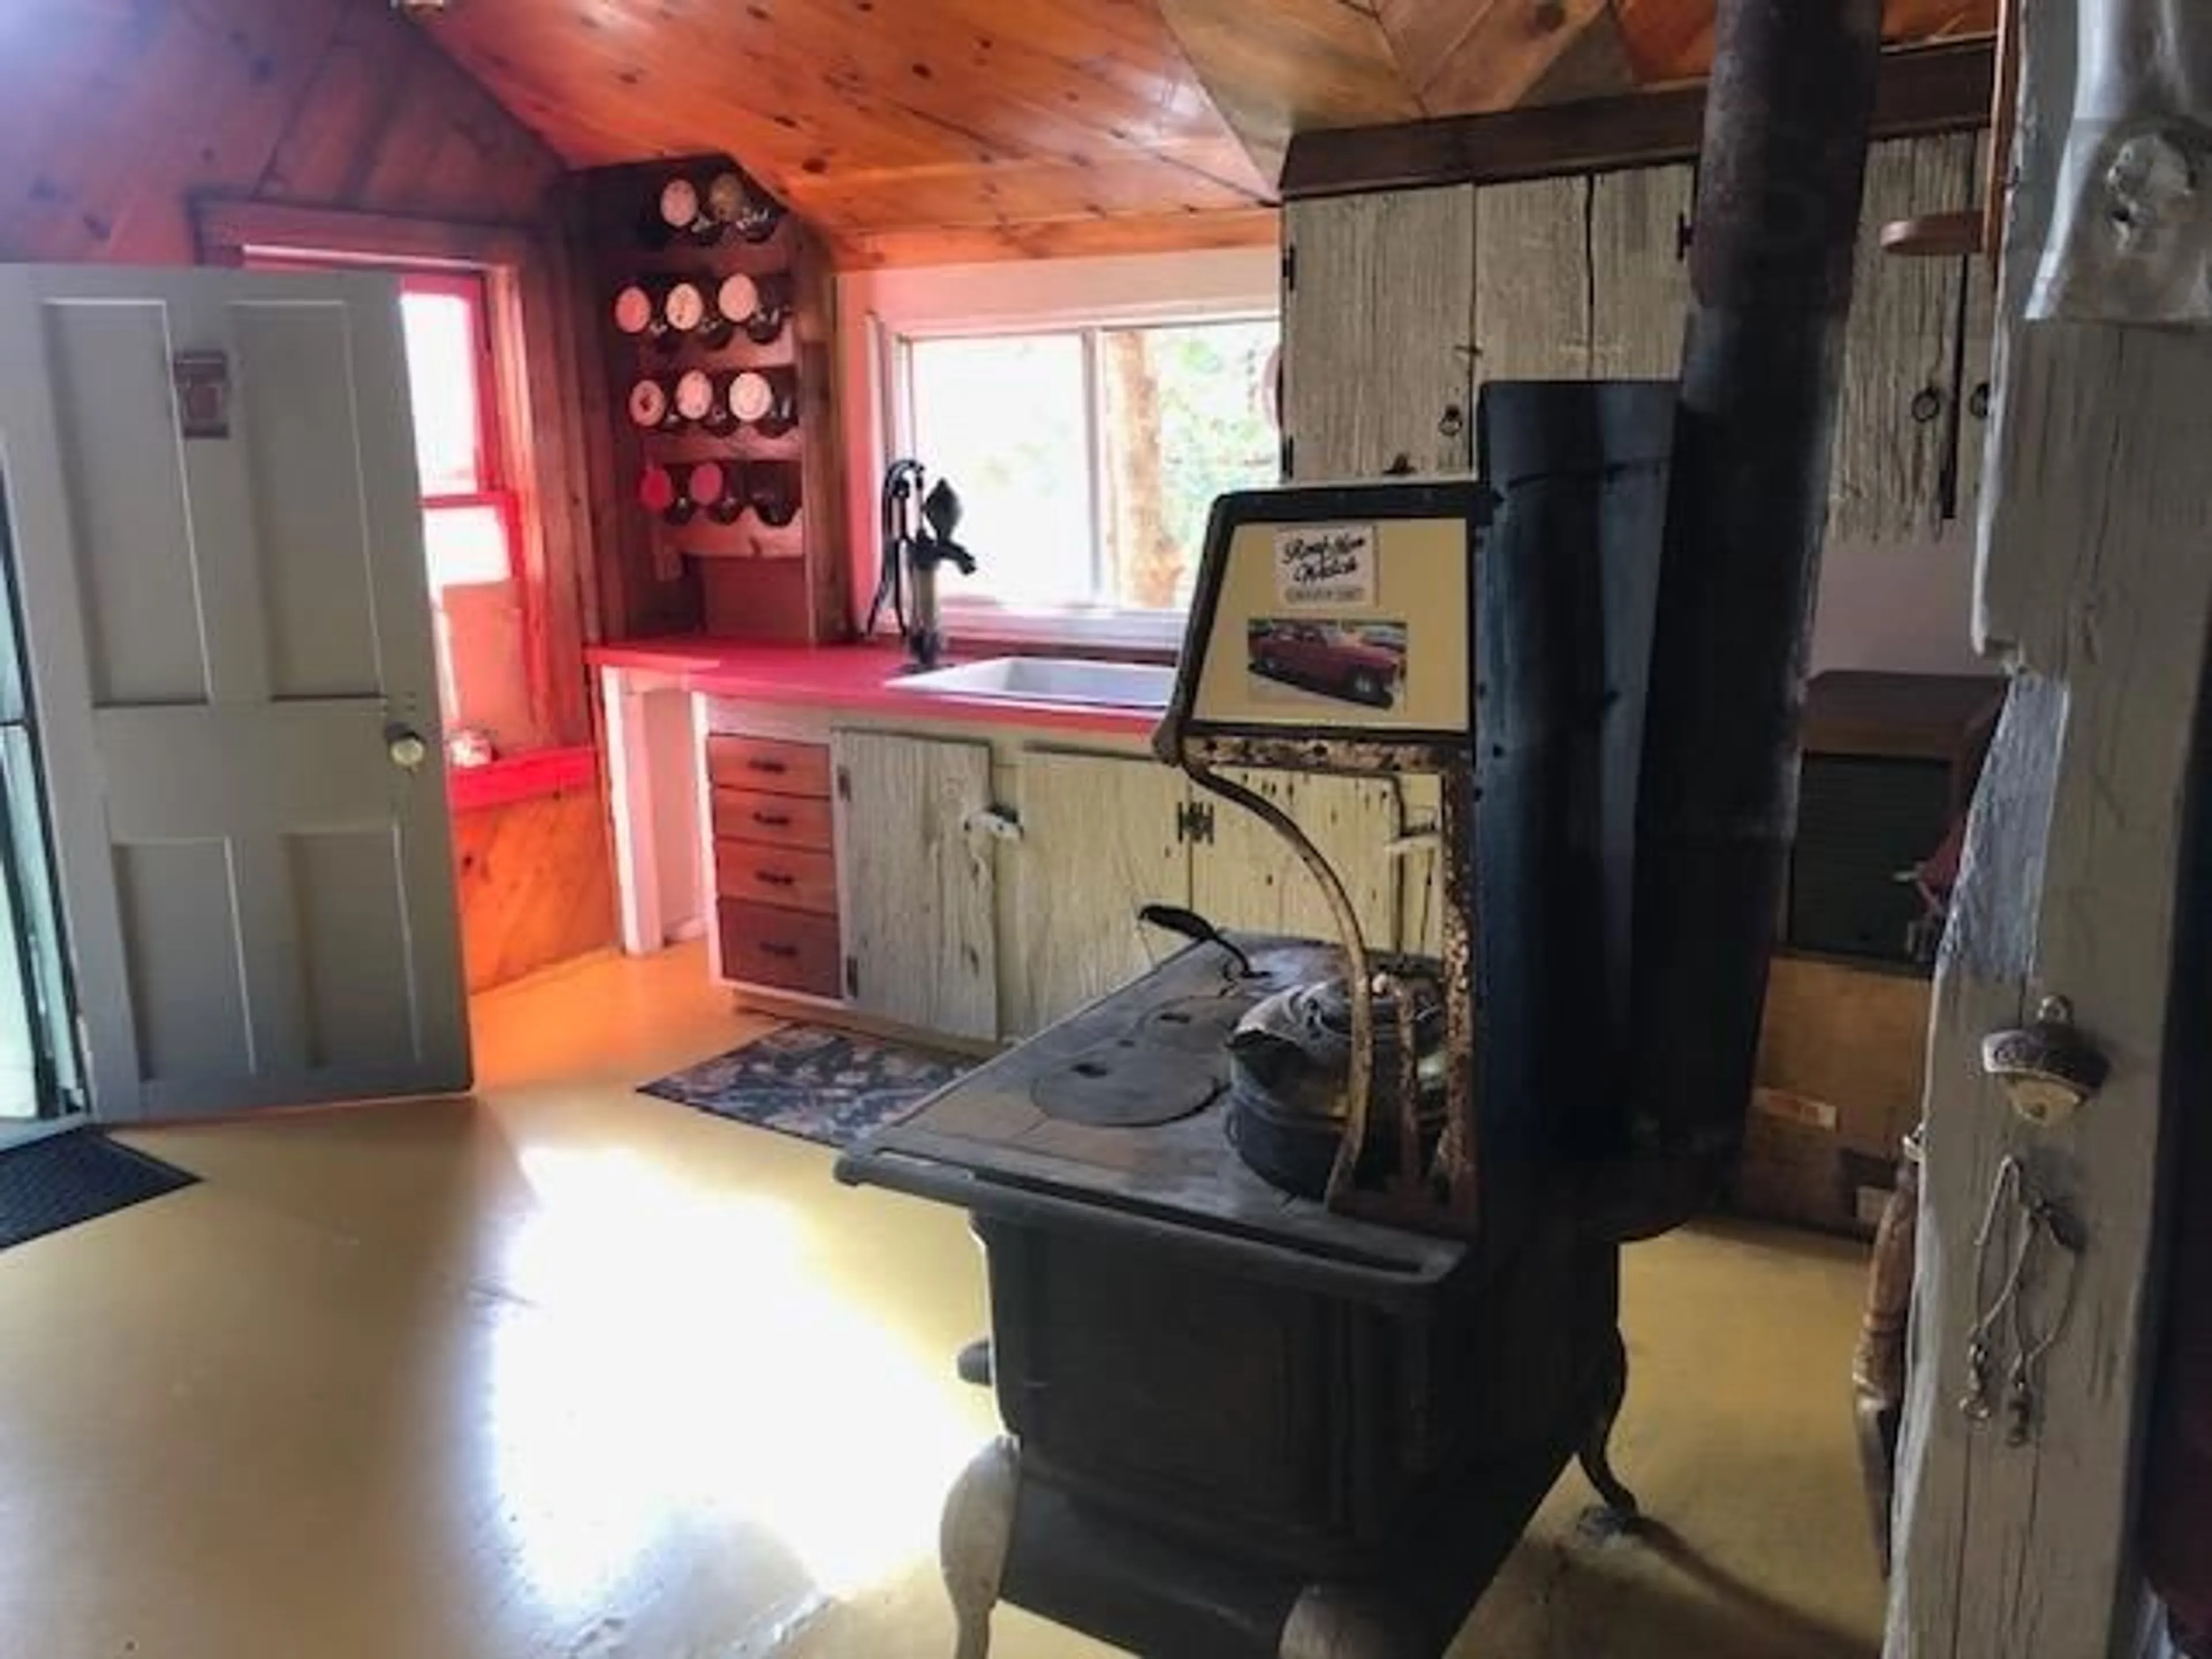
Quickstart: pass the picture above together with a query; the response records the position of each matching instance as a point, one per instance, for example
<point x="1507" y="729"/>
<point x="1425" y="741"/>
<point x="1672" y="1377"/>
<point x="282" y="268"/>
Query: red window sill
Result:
<point x="522" y="777"/>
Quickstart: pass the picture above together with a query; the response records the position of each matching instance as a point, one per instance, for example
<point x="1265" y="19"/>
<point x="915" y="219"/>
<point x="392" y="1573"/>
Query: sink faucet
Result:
<point x="917" y="538"/>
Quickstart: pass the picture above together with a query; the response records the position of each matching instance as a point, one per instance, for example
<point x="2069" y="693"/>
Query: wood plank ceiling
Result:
<point x="914" y="131"/>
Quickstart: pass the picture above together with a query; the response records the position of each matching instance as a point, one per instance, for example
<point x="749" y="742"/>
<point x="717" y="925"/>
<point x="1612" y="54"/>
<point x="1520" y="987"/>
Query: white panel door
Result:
<point x="231" y="651"/>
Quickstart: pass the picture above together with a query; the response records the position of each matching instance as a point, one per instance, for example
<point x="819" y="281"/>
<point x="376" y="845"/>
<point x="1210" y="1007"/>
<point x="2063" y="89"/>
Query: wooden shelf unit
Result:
<point x="748" y="578"/>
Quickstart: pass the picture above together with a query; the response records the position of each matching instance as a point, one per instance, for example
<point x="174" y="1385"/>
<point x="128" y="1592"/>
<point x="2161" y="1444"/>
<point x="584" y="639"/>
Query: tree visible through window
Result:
<point x="1089" y="458"/>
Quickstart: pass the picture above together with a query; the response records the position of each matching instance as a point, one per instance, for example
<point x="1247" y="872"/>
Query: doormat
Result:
<point x="834" y="1088"/>
<point x="49" y="1184"/>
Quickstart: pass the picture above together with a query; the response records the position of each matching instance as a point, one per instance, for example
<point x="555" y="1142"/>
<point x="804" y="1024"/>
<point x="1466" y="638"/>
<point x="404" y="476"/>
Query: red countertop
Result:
<point x="862" y="677"/>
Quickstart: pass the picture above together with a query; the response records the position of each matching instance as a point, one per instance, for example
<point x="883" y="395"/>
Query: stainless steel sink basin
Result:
<point x="1048" y="679"/>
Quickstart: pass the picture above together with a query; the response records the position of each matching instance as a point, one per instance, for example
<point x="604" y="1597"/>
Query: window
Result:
<point x="1088" y="458"/>
<point x="469" y="517"/>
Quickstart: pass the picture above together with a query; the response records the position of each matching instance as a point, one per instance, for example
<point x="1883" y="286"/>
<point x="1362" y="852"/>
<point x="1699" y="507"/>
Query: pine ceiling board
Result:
<point x="1010" y="193"/>
<point x="1016" y="100"/>
<point x="1509" y="47"/>
<point x="874" y="114"/>
<point x="1672" y="39"/>
<point x="1060" y="239"/>
<point x="1303" y="64"/>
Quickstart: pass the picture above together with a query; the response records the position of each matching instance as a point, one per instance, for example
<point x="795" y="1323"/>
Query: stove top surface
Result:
<point x="1150" y="1143"/>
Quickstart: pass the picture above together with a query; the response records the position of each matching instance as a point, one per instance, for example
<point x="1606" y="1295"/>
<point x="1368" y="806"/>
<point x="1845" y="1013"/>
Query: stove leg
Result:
<point x="1596" y="1457"/>
<point x="1332" y="1622"/>
<point x="973" y="1537"/>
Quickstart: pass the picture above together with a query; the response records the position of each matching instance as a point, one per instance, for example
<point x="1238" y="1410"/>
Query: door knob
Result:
<point x="406" y="747"/>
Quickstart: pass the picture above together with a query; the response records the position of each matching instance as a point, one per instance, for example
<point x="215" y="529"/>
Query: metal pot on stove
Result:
<point x="1289" y="1066"/>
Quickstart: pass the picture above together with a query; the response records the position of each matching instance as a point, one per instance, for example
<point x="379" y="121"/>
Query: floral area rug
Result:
<point x="831" y="1087"/>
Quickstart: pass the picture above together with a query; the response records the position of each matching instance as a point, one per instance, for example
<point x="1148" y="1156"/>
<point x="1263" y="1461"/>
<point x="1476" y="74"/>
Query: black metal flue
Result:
<point x="1779" y="183"/>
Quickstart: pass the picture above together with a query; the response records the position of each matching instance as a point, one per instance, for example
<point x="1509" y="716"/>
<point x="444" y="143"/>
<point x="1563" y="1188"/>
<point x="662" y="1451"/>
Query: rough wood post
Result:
<point x="2096" y="587"/>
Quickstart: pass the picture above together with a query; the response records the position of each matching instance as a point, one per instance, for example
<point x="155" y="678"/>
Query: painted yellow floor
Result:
<point x="567" y="1373"/>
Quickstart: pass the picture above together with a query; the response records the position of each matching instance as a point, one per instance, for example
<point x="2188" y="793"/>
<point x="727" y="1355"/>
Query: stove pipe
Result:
<point x="1779" y="181"/>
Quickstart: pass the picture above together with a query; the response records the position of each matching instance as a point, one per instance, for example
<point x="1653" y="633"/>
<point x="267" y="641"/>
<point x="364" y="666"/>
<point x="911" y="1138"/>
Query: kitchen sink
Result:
<point x="1048" y="679"/>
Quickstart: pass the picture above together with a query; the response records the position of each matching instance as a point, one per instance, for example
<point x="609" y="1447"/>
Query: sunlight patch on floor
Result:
<point x="674" y="1349"/>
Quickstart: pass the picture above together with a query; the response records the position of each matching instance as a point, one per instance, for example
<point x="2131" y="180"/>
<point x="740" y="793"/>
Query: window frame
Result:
<point x="494" y="490"/>
<point x="1094" y="622"/>
<point x="533" y="290"/>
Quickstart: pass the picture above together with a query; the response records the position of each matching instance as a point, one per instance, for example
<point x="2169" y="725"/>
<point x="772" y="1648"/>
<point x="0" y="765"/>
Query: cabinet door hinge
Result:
<point x="1290" y="267"/>
<point x="1290" y="457"/>
<point x="852" y="976"/>
<point x="844" y="783"/>
<point x="1194" y="822"/>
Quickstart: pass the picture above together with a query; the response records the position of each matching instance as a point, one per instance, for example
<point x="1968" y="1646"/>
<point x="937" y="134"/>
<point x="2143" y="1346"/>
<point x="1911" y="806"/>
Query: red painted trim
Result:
<point x="522" y="777"/>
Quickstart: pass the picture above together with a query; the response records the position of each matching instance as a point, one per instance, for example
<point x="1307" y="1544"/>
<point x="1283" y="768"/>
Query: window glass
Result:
<point x="1187" y="419"/>
<point x="466" y="544"/>
<point x="1007" y="420"/>
<point x="443" y="354"/>
<point x="1088" y="459"/>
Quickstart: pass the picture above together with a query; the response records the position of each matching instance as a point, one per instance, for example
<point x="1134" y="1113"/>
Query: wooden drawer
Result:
<point x="769" y="767"/>
<point x="788" y="878"/>
<point x="788" y="949"/>
<point x="773" y="820"/>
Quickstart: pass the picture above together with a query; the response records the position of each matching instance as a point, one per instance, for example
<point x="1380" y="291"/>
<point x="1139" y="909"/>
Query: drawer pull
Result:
<point x="773" y="820"/>
<point x="774" y="768"/>
<point x="781" y="953"/>
<point x="774" y="878"/>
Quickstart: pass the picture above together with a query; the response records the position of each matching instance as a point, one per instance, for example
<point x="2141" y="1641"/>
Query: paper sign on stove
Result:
<point x="1325" y="565"/>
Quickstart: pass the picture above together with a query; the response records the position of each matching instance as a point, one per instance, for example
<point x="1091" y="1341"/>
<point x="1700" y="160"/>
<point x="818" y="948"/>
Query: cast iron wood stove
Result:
<point x="1298" y="1308"/>
<point x="1304" y="1260"/>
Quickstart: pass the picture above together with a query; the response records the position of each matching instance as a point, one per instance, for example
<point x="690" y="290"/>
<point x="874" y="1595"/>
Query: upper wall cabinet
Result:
<point x="1579" y="276"/>
<point x="1893" y="472"/>
<point x="1378" y="335"/>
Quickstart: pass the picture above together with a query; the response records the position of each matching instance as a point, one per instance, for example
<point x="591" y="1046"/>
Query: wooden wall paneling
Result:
<point x="1893" y="424"/>
<point x="537" y="884"/>
<point x="919" y="918"/>
<point x="112" y="117"/>
<point x="814" y="327"/>
<point x="1378" y="334"/>
<point x="1639" y="272"/>
<point x="1098" y="844"/>
<point x="1532" y="281"/>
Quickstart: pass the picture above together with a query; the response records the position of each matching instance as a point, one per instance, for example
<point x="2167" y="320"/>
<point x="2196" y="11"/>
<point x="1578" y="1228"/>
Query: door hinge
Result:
<point x="1290" y="267"/>
<point x="1194" y="822"/>
<point x="1290" y="457"/>
<point x="852" y="976"/>
<point x="844" y="783"/>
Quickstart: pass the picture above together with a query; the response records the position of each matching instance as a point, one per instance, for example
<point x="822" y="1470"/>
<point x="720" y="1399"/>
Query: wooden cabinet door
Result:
<point x="1247" y="876"/>
<point x="1639" y="272"/>
<point x="919" y="883"/>
<point x="1378" y="335"/>
<point x="1893" y="419"/>
<point x="1532" y="286"/>
<point x="1099" y="843"/>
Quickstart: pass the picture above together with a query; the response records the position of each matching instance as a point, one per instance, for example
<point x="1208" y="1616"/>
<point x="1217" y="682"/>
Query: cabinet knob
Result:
<point x="1927" y="404"/>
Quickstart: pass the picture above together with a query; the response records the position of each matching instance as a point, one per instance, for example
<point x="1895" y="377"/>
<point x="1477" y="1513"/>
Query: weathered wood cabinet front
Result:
<point x="1101" y="839"/>
<point x="1378" y="335"/>
<point x="1398" y="308"/>
<point x="920" y="881"/>
<point x="1243" y="874"/>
